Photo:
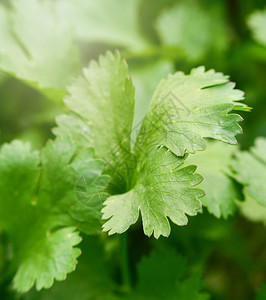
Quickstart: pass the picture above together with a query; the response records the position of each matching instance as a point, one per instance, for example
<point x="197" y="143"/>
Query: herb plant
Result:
<point x="143" y="174"/>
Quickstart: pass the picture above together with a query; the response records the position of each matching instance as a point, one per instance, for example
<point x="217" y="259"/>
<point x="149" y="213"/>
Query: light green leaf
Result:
<point x="38" y="46"/>
<point x="113" y="22"/>
<point x="250" y="169"/>
<point x="186" y="108"/>
<point x="102" y="102"/>
<point x="39" y="206"/>
<point x="104" y="98"/>
<point x="214" y="165"/>
<point x="193" y="29"/>
<point x="163" y="189"/>
<point x="257" y="24"/>
<point x="51" y="257"/>
<point x="90" y="281"/>
<point x="252" y="210"/>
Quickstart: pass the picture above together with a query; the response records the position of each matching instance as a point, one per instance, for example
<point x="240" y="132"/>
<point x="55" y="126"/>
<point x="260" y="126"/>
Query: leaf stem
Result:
<point x="125" y="270"/>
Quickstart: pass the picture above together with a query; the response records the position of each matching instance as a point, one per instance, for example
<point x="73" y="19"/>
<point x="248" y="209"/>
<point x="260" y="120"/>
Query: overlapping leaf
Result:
<point x="39" y="208"/>
<point x="183" y="110"/>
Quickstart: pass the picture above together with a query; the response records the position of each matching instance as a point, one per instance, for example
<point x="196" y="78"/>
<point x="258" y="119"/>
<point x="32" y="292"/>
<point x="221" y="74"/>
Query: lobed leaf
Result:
<point x="40" y="208"/>
<point x="186" y="108"/>
<point x="148" y="179"/>
<point x="102" y="106"/>
<point x="163" y="189"/>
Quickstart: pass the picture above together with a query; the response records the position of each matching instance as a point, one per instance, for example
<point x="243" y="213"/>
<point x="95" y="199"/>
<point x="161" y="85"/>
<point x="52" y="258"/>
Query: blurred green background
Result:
<point x="156" y="37"/>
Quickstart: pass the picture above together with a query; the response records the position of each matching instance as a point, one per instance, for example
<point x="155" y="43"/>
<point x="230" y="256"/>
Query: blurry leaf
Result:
<point x="192" y="29"/>
<point x="111" y="22"/>
<point x="257" y="24"/>
<point x="149" y="11"/>
<point x="214" y="164"/>
<point x="250" y="169"/>
<point x="39" y="209"/>
<point x="261" y="294"/>
<point x="38" y="46"/>
<point x="252" y="210"/>
<point x="162" y="189"/>
<point x="162" y="276"/>
<point x="2" y="77"/>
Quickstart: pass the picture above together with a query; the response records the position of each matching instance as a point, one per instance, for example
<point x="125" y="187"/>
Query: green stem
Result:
<point x="125" y="270"/>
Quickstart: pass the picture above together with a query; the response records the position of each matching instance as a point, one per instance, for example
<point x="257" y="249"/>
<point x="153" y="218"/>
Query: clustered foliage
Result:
<point x="152" y="149"/>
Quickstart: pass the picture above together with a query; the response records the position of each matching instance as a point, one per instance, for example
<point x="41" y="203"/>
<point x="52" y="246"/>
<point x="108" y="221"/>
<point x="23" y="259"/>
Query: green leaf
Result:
<point x="104" y="98"/>
<point x="51" y="257"/>
<point x="91" y="279"/>
<point x="163" y="189"/>
<point x="38" y="44"/>
<point x="186" y="108"/>
<point x="250" y="169"/>
<point x="162" y="276"/>
<point x="39" y="207"/>
<point x="102" y="21"/>
<point x="194" y="29"/>
<point x="102" y="106"/>
<point x="257" y="24"/>
<point x="214" y="165"/>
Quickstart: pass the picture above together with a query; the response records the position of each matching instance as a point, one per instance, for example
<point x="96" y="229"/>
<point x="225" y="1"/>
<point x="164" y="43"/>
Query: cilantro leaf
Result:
<point x="214" y="165"/>
<point x="46" y="57"/>
<point x="91" y="279"/>
<point x="51" y="257"/>
<point x="102" y="106"/>
<point x="257" y="24"/>
<point x="162" y="189"/>
<point x="104" y="98"/>
<point x="169" y="274"/>
<point x="102" y="21"/>
<point x="186" y="108"/>
<point x="250" y="170"/>
<point x="39" y="209"/>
